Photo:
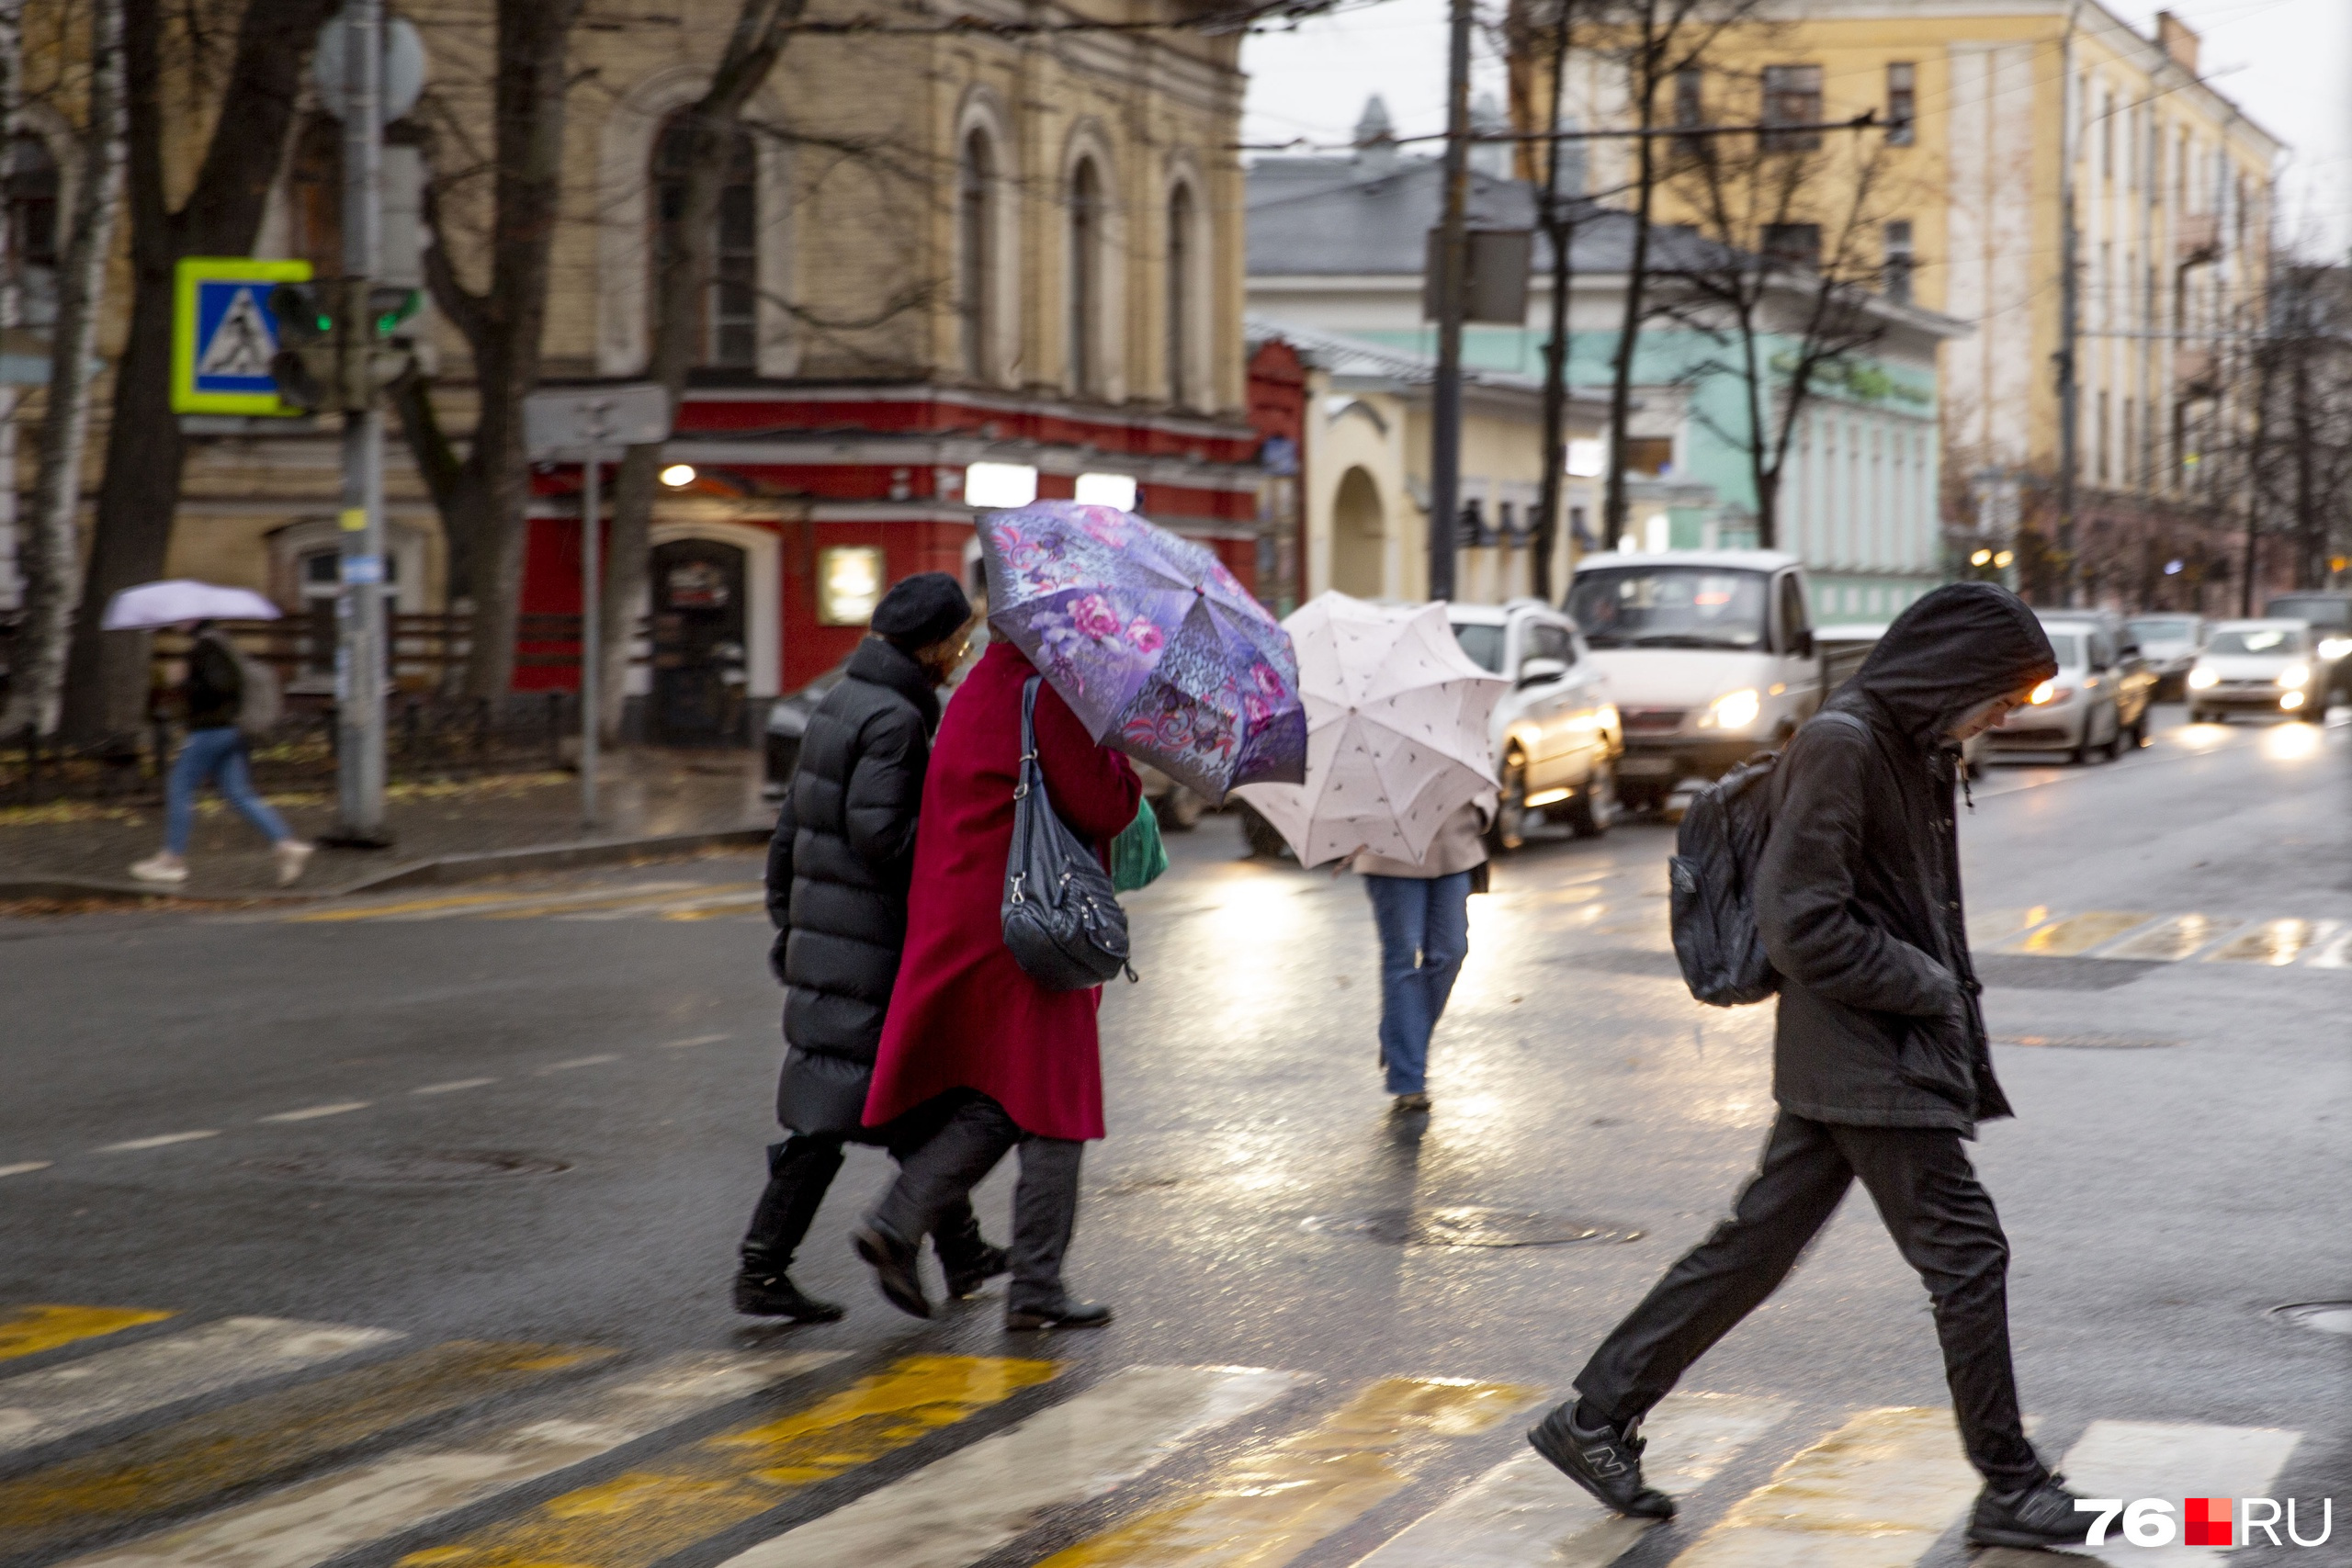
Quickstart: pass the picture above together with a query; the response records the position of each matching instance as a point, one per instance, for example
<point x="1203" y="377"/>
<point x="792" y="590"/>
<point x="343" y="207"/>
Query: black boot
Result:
<point x="965" y="1255"/>
<point x="1602" y="1459"/>
<point x="898" y="1268"/>
<point x="1063" y="1314"/>
<point x="763" y="1288"/>
<point x="2040" y="1515"/>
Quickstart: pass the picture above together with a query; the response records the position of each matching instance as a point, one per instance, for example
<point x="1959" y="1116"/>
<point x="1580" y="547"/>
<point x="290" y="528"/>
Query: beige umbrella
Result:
<point x="1396" y="719"/>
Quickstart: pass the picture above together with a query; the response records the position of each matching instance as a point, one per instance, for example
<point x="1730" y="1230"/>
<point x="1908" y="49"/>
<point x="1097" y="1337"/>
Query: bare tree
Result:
<point x="47" y="549"/>
<point x="254" y="64"/>
<point x="1546" y="31"/>
<point x="483" y="496"/>
<point x="1783" y="281"/>
<point x="1651" y="43"/>
<point x="712" y="124"/>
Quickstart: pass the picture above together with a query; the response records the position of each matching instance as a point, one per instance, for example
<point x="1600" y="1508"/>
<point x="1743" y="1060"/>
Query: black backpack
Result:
<point x="1713" y="873"/>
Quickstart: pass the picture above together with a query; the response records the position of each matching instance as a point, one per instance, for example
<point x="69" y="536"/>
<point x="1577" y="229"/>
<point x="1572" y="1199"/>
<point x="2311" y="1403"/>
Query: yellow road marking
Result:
<point x="29" y="1330"/>
<point x="1874" y="1494"/>
<point x="1270" y="1506"/>
<point x="2275" y="942"/>
<point x="639" y="1517"/>
<point x="617" y="901"/>
<point x="412" y="906"/>
<point x="1991" y="925"/>
<point x="2175" y="938"/>
<point x="168" y="1469"/>
<point x="2079" y="934"/>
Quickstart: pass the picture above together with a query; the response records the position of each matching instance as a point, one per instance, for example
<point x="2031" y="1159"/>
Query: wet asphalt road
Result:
<point x="2179" y="1169"/>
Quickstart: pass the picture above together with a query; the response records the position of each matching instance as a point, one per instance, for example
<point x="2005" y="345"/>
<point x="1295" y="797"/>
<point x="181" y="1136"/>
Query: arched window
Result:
<point x="975" y="268"/>
<point x="1085" y="275"/>
<point x="314" y="197"/>
<point x="1180" y="265"/>
<point x="730" y="301"/>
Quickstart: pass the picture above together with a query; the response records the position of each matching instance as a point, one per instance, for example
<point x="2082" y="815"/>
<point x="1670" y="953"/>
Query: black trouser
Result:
<point x="940" y="1176"/>
<point x="800" y="1168"/>
<point x="1941" y="1219"/>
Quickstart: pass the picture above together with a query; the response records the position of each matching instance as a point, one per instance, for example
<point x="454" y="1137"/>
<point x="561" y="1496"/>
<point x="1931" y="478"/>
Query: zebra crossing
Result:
<point x="309" y="1441"/>
<point x="2151" y="936"/>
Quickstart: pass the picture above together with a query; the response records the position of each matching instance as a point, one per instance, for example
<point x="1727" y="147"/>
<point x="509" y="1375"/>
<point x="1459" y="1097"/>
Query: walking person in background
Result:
<point x="215" y="696"/>
<point x="1023" y="1061"/>
<point x="1422" y="910"/>
<point x="838" y="870"/>
<point x="1880" y="1063"/>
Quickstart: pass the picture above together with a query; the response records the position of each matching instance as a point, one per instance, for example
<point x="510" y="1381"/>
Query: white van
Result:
<point x="1710" y="657"/>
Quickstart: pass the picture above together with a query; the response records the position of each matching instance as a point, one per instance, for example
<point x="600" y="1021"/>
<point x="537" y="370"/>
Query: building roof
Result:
<point x="1348" y="358"/>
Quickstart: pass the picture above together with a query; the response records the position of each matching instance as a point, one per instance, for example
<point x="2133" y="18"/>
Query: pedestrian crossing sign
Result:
<point x="223" y="335"/>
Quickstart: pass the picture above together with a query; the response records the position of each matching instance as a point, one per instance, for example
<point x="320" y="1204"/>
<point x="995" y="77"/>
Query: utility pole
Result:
<point x="1559" y="232"/>
<point x="359" y="655"/>
<point x="2069" y="308"/>
<point x="1454" y="267"/>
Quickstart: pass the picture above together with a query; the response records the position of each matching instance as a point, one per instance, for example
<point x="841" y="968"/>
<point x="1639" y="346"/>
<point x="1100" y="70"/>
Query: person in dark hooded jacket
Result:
<point x="838" y="871"/>
<point x="1880" y="1064"/>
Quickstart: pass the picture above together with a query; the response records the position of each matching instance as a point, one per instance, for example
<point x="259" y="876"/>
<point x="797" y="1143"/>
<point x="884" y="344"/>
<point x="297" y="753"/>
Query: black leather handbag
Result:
<point x="1062" y="920"/>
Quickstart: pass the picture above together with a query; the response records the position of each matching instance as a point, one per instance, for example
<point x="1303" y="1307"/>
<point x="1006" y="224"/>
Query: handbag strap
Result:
<point x="1031" y="775"/>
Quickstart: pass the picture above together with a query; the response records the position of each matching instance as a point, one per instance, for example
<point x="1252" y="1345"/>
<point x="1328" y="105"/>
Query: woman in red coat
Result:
<point x="965" y="1019"/>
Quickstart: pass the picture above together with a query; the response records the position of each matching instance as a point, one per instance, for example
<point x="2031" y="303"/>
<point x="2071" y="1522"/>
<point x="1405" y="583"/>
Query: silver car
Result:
<point x="2267" y="667"/>
<point x="2170" y="643"/>
<point x="2096" y="705"/>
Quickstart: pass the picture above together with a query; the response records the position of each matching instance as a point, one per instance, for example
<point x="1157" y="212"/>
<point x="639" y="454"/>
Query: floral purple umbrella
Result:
<point x="1156" y="646"/>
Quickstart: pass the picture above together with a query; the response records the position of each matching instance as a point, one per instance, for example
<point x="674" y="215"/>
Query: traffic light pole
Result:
<point x="360" y="662"/>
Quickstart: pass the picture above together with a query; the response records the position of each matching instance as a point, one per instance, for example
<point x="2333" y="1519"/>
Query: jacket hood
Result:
<point x="1956" y="646"/>
<point x="882" y="663"/>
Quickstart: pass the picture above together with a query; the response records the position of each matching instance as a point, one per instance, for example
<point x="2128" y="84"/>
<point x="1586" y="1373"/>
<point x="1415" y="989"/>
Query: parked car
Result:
<point x="2096" y="704"/>
<point x="2330" y="617"/>
<point x="2265" y="666"/>
<point x="1556" y="735"/>
<point x="2170" y="643"/>
<point x="1710" y="657"/>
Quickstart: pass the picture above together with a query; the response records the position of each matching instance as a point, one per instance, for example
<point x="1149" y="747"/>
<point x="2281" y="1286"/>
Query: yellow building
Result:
<point x="1996" y="115"/>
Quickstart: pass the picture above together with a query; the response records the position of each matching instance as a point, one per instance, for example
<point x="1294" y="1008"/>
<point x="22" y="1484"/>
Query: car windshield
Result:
<point x="1669" y="606"/>
<point x="2068" y="647"/>
<point x="2256" y="639"/>
<point x="1483" y="641"/>
<point x="2321" y="610"/>
<point x="2162" y="628"/>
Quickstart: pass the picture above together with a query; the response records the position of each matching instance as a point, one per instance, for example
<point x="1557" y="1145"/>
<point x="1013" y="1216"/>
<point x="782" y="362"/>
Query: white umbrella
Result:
<point x="183" y="599"/>
<point x="1396" y="718"/>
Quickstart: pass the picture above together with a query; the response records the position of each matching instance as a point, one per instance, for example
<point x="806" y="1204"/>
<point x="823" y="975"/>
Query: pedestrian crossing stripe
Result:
<point x="1270" y="1506"/>
<point x="638" y="1518"/>
<point x="29" y="1330"/>
<point x="2142" y="935"/>
<point x="301" y="1476"/>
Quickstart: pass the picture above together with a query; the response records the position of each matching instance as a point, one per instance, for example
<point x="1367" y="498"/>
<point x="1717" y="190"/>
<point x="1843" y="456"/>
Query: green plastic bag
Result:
<point x="1138" y="856"/>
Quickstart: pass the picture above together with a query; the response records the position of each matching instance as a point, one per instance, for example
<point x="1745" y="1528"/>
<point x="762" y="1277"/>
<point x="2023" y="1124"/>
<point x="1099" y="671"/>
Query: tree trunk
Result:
<point x="47" y="552"/>
<point x="751" y="52"/>
<point x="106" y="679"/>
<point x="1629" y="334"/>
<point x="1559" y="233"/>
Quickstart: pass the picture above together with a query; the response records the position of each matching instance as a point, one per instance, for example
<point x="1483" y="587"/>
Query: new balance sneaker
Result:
<point x="2040" y="1515"/>
<point x="1602" y="1459"/>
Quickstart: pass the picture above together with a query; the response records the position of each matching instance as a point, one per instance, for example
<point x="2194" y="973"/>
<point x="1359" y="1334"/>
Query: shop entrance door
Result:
<point x="699" y="675"/>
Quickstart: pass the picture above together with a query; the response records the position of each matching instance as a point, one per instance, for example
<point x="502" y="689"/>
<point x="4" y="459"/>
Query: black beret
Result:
<point x="920" y="610"/>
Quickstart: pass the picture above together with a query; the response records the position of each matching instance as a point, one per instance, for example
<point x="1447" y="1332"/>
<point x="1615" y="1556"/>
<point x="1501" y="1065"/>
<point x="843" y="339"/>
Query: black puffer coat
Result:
<point x="837" y="882"/>
<point x="1858" y="891"/>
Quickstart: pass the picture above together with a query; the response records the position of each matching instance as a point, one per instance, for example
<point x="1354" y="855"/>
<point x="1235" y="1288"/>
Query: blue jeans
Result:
<point x="1424" y="934"/>
<point x="218" y="755"/>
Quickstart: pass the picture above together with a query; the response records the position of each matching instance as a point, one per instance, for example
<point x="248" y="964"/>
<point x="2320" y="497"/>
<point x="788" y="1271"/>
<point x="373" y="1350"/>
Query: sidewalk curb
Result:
<point x="415" y="874"/>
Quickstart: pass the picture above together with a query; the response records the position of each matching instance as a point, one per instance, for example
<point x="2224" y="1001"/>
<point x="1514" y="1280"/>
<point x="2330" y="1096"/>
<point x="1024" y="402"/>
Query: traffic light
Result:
<point x="332" y="335"/>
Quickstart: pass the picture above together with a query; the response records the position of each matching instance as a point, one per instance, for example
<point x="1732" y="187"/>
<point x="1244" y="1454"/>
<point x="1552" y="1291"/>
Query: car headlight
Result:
<point x="1733" y="710"/>
<point x="2295" y="675"/>
<point x="2201" y="678"/>
<point x="2335" y="647"/>
<point x="2048" y="694"/>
